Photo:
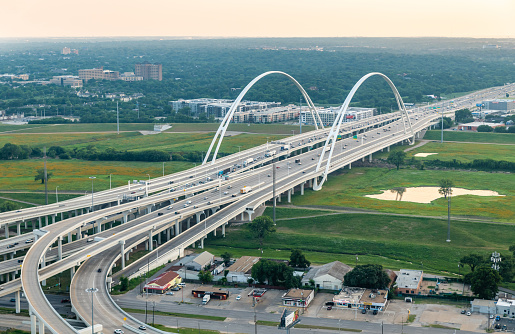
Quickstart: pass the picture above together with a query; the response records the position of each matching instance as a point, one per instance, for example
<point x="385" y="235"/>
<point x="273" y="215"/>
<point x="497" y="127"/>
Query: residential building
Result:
<point x="218" y="108"/>
<point x="328" y="115"/>
<point x="67" y="80"/>
<point x="408" y="281"/>
<point x="130" y="76"/>
<point x="163" y="282"/>
<point x="240" y="271"/>
<point x="204" y="259"/>
<point x="506" y="307"/>
<point x="149" y="71"/>
<point x="474" y="125"/>
<point x="483" y="306"/>
<point x="98" y="74"/>
<point x="298" y="297"/>
<point x="329" y="276"/>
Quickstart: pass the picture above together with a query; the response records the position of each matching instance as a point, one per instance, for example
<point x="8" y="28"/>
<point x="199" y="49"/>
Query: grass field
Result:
<point x="393" y="241"/>
<point x="10" y="127"/>
<point x="73" y="174"/>
<point x="38" y="198"/>
<point x="87" y="127"/>
<point x="465" y="152"/>
<point x="280" y="129"/>
<point x="348" y="188"/>
<point x="476" y="137"/>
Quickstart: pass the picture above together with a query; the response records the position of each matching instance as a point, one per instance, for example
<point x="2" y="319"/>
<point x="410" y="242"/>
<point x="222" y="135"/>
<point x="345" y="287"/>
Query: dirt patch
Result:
<point x="426" y="194"/>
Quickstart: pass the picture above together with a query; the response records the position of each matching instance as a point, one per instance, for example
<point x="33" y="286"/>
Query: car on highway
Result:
<point x="13" y="300"/>
<point x="170" y="207"/>
<point x="65" y="300"/>
<point x="28" y="241"/>
<point x="233" y="195"/>
<point x="99" y="270"/>
<point x="177" y="212"/>
<point x="142" y="327"/>
<point x="159" y="213"/>
<point x="10" y="246"/>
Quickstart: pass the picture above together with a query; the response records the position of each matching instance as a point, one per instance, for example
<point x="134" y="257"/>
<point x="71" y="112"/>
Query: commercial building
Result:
<point x="374" y="299"/>
<point x="98" y="74"/>
<point x="218" y="108"/>
<point x="67" y="80"/>
<point x="163" y="282"/>
<point x="474" y="125"/>
<point x="130" y="76"/>
<point x="409" y="281"/>
<point x="214" y="293"/>
<point x="329" y="276"/>
<point x="499" y="104"/>
<point x="149" y="71"/>
<point x="349" y="297"/>
<point x="298" y="297"/>
<point x="239" y="271"/>
<point x="506" y="307"/>
<point x="203" y="260"/>
<point x="483" y="306"/>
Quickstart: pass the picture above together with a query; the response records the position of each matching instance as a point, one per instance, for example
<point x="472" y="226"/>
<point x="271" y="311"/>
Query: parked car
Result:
<point x="463" y="311"/>
<point x="181" y="284"/>
<point x="169" y="293"/>
<point x="238" y="297"/>
<point x="329" y="308"/>
<point x="364" y="311"/>
<point x="374" y="312"/>
<point x="469" y="314"/>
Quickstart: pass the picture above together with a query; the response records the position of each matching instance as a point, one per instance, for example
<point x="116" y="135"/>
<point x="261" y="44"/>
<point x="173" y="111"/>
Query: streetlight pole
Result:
<point x="163" y="168"/>
<point x="92" y="291"/>
<point x="92" y="178"/>
<point x="56" y="197"/>
<point x="148" y="176"/>
<point x="110" y="181"/>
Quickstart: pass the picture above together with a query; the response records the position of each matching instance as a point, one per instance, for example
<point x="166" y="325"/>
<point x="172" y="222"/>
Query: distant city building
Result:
<point x="499" y="104"/>
<point x="149" y="71"/>
<point x="130" y="76"/>
<point x="15" y="76"/>
<point x="67" y="80"/>
<point x="327" y="115"/>
<point x="98" y="74"/>
<point x="67" y="51"/>
<point x="491" y="46"/>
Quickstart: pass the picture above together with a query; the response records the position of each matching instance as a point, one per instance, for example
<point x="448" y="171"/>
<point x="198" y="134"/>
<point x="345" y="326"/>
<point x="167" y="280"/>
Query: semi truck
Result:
<point x="225" y="171"/>
<point x="245" y="190"/>
<point x="206" y="299"/>
<point x="248" y="162"/>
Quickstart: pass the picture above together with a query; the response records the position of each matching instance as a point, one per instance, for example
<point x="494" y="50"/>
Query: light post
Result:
<point x="92" y="291"/>
<point x="92" y="178"/>
<point x="163" y="168"/>
<point x="148" y="177"/>
<point x="56" y="197"/>
<point x="110" y="181"/>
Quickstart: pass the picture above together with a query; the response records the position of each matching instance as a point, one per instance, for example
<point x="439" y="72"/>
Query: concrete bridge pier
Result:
<point x="388" y="149"/>
<point x="177" y="227"/>
<point x="302" y="189"/>
<point x="223" y="229"/>
<point x="350" y="165"/>
<point x="159" y="238"/>
<point x="43" y="264"/>
<point x="33" y="321"/>
<point x="188" y="223"/>
<point x="249" y="212"/>
<point x="39" y="222"/>
<point x="79" y="233"/>
<point x="60" y="247"/>
<point x="41" y="327"/>
<point x="370" y="158"/>
<point x="70" y="239"/>
<point x="214" y="210"/>
<point x="17" y="297"/>
<point x="72" y="272"/>
<point x="18" y="228"/>
<point x="122" y="251"/>
<point x="62" y="215"/>
<point x="289" y="195"/>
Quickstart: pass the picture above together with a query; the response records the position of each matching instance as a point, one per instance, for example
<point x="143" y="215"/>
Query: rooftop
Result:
<point x="350" y="295"/>
<point x="409" y="279"/>
<point x="163" y="279"/>
<point x="374" y="296"/>
<point x="297" y="293"/>
<point x="335" y="269"/>
<point x="203" y="258"/>
<point x="244" y="264"/>
<point x="483" y="302"/>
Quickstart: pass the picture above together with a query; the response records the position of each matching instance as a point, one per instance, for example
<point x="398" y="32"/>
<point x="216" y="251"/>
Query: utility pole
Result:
<point x="117" y="119"/>
<point x="46" y="176"/>
<point x="273" y="188"/>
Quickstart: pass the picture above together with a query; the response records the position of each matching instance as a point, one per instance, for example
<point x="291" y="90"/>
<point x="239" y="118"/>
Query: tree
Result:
<point x="371" y="276"/>
<point x="298" y="260"/>
<point x="40" y="175"/>
<point x="226" y="257"/>
<point x="473" y="260"/>
<point x="507" y="268"/>
<point x="446" y="190"/>
<point x="484" y="128"/>
<point x="396" y="158"/>
<point x="7" y="206"/>
<point x="512" y="249"/>
<point x="463" y="116"/>
<point x="261" y="227"/>
<point x="205" y="276"/>
<point x="399" y="191"/>
<point x="124" y="283"/>
<point x="485" y="282"/>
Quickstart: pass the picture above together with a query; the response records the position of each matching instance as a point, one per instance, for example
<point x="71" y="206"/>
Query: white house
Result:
<point x="482" y="306"/>
<point x="201" y="261"/>
<point x="506" y="307"/>
<point x="329" y="276"/>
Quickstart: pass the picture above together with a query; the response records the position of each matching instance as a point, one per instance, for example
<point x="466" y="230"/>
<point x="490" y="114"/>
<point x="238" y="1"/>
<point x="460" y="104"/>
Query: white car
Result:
<point x="238" y="297"/>
<point x="28" y="241"/>
<point x="468" y="313"/>
<point x="142" y="327"/>
<point x="118" y="331"/>
<point x="169" y="293"/>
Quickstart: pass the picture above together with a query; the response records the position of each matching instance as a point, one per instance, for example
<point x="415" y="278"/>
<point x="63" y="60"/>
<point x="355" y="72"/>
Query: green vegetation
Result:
<point x="185" y="330"/>
<point x="392" y="241"/>
<point x="411" y="318"/>
<point x="14" y="331"/>
<point x="180" y="315"/>
<point x="465" y="152"/>
<point x="36" y="198"/>
<point x="8" y="310"/>
<point x="287" y="213"/>
<point x="364" y="181"/>
<point x="442" y="327"/>
<point x="476" y="137"/>
<point x="275" y="324"/>
<point x="133" y="283"/>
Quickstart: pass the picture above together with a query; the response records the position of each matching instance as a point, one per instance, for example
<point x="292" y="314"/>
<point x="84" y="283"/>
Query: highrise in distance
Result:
<point x="149" y="71"/>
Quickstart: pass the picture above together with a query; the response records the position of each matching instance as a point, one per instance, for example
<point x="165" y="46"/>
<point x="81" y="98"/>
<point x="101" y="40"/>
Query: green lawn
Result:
<point x="37" y="198"/>
<point x="279" y="129"/>
<point x="285" y="213"/>
<point x="347" y="189"/>
<point x="65" y="139"/>
<point x="10" y="127"/>
<point x="73" y="174"/>
<point x="88" y="127"/>
<point x="465" y="152"/>
<point x="394" y="241"/>
<point x="476" y="137"/>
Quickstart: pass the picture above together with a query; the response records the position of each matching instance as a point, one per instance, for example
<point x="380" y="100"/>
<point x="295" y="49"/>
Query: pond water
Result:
<point x="426" y="194"/>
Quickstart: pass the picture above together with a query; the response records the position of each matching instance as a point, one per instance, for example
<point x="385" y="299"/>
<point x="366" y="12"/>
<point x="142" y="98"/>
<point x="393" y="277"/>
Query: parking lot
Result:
<point x="508" y="322"/>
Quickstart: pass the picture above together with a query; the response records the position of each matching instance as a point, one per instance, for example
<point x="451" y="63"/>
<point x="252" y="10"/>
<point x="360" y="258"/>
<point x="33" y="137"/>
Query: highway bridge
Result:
<point x="181" y="209"/>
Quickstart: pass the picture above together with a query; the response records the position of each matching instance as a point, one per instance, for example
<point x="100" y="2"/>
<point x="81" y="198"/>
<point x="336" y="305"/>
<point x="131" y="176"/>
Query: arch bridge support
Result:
<point x="335" y="129"/>
<point x="229" y="115"/>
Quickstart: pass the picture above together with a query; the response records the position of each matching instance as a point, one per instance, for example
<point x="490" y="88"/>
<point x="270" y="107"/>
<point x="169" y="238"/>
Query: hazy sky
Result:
<point x="258" y="18"/>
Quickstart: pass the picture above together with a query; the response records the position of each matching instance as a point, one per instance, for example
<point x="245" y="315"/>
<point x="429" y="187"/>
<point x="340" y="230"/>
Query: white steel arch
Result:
<point x="228" y="116"/>
<point x="335" y="129"/>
